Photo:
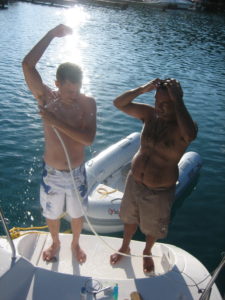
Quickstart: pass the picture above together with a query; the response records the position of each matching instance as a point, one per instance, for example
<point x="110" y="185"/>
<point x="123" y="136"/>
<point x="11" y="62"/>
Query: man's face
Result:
<point x="163" y="105"/>
<point x="69" y="91"/>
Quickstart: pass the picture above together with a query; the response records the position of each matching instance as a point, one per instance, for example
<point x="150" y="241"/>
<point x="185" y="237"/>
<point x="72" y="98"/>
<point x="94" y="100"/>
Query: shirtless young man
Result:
<point x="73" y="115"/>
<point x="150" y="188"/>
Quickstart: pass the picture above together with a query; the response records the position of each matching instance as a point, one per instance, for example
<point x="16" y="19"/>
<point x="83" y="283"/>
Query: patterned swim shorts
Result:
<point x="58" y="195"/>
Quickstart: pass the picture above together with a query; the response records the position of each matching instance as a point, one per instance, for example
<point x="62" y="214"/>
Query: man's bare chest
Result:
<point x="72" y="114"/>
<point x="160" y="133"/>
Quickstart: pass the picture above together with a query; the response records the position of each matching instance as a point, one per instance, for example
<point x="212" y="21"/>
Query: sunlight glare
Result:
<point x="71" y="47"/>
<point x="75" y="18"/>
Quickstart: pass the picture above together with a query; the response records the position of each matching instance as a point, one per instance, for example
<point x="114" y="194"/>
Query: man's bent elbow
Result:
<point x="25" y="63"/>
<point x="115" y="103"/>
<point x="89" y="140"/>
<point x="26" y="66"/>
<point x="194" y="132"/>
<point x="191" y="137"/>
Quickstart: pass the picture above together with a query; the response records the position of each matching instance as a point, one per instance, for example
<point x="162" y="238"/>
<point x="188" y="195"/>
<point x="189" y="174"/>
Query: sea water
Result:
<point x="118" y="50"/>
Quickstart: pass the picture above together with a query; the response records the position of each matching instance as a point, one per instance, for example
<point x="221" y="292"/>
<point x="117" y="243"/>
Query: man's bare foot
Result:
<point x="79" y="254"/>
<point x="50" y="253"/>
<point x="116" y="257"/>
<point x="148" y="264"/>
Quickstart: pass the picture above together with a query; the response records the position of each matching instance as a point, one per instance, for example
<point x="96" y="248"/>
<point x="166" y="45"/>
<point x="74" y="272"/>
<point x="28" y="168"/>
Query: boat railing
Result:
<point x="207" y="292"/>
<point x="4" y="222"/>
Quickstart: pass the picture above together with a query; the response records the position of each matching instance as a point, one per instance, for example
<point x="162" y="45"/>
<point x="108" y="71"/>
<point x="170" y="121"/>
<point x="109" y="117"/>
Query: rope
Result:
<point x="104" y="192"/>
<point x="15" y="231"/>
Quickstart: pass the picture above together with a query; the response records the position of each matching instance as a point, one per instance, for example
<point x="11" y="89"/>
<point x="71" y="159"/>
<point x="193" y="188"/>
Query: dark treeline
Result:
<point x="212" y="5"/>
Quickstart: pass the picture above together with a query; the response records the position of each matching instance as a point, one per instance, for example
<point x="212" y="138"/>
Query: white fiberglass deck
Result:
<point x="98" y="253"/>
<point x="179" y="275"/>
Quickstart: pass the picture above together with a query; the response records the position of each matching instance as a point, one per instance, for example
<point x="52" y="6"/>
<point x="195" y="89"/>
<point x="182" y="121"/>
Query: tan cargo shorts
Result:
<point x="146" y="207"/>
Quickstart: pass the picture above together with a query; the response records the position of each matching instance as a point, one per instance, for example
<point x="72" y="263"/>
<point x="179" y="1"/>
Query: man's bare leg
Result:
<point x="148" y="264"/>
<point x="76" y="225"/>
<point x="129" y="230"/>
<point x="53" y="226"/>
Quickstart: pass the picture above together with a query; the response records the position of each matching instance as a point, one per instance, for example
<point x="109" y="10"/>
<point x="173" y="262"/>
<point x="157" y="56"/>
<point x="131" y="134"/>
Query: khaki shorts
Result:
<point x="57" y="194"/>
<point x="146" y="207"/>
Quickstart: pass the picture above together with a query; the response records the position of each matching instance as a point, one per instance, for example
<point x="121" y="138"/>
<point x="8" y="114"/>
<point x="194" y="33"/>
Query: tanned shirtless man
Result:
<point x="73" y="115"/>
<point x="167" y="131"/>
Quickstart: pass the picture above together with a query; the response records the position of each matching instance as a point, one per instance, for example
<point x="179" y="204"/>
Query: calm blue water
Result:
<point x="118" y="50"/>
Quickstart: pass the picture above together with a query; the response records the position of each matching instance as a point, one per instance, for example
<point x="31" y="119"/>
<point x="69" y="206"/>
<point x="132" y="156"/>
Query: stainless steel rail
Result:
<point x="3" y="220"/>
<point x="207" y="292"/>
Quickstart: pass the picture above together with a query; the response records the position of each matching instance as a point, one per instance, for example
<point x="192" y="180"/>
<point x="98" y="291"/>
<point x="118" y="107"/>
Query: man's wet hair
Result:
<point x="69" y="71"/>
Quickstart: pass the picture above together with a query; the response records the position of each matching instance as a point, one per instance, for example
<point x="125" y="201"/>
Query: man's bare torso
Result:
<point x="74" y="115"/>
<point x="156" y="162"/>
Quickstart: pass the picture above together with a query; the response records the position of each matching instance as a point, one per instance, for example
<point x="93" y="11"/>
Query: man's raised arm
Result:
<point x="32" y="77"/>
<point x="187" y="126"/>
<point x="137" y="110"/>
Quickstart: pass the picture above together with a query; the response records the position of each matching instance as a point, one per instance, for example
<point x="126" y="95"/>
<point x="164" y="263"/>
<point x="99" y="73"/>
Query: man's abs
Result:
<point x="54" y="154"/>
<point x="153" y="171"/>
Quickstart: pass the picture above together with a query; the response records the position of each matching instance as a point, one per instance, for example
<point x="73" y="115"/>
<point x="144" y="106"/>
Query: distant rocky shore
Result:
<point x="210" y="5"/>
<point x="198" y="5"/>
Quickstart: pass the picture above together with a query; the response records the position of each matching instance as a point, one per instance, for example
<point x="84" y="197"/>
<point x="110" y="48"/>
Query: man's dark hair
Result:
<point x="69" y="71"/>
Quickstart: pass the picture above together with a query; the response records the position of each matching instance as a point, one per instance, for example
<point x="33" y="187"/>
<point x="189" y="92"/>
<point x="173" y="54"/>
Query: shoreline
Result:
<point x="198" y="5"/>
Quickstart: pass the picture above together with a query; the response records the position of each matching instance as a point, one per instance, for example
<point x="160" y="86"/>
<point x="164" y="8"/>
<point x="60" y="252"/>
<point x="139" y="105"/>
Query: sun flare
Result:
<point x="72" y="45"/>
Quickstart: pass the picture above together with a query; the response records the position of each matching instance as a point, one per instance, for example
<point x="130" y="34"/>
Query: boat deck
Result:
<point x="177" y="271"/>
<point x="98" y="255"/>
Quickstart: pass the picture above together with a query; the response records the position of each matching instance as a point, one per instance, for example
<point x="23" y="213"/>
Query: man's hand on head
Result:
<point x="151" y="85"/>
<point x="174" y="89"/>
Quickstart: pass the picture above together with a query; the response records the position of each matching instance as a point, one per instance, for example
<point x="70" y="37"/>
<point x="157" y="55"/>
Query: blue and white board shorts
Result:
<point x="57" y="193"/>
